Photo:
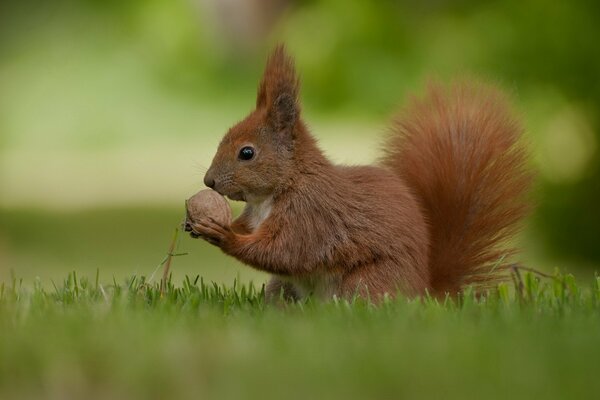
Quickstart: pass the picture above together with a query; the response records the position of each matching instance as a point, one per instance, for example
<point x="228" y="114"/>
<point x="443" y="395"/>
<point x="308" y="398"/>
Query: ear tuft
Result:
<point x="279" y="88"/>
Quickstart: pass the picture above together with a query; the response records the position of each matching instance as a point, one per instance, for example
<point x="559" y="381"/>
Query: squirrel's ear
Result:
<point x="278" y="90"/>
<point x="283" y="112"/>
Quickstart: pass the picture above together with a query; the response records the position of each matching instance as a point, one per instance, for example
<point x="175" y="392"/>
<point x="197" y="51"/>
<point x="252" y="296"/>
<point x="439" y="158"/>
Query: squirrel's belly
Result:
<point x="320" y="285"/>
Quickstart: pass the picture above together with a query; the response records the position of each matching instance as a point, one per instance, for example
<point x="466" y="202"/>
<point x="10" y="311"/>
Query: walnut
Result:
<point x="208" y="204"/>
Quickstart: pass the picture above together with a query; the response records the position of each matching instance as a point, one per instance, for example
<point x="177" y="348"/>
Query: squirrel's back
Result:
<point x="459" y="148"/>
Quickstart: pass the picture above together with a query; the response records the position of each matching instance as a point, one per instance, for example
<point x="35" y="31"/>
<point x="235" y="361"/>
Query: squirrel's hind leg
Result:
<point x="375" y="280"/>
<point x="278" y="289"/>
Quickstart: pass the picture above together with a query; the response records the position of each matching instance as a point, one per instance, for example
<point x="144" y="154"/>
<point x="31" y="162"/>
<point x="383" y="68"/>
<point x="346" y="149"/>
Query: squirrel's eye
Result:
<point x="246" y="153"/>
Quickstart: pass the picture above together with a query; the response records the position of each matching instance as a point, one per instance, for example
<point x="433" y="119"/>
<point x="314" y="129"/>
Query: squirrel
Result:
<point x="431" y="217"/>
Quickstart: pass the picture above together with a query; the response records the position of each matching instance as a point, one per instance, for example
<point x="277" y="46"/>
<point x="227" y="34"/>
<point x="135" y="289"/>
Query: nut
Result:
<point x="208" y="204"/>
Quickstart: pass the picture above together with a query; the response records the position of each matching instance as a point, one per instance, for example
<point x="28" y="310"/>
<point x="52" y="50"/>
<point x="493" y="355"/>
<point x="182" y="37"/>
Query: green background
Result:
<point x="110" y="112"/>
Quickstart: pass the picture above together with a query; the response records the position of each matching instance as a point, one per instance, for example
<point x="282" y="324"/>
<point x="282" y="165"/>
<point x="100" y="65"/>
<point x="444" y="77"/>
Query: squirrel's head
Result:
<point x="254" y="159"/>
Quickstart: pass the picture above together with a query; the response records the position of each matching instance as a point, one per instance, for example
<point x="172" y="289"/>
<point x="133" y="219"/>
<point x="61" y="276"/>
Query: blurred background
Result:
<point x="110" y="112"/>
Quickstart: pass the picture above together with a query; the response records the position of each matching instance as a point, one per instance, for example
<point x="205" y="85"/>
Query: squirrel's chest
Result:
<point x="258" y="211"/>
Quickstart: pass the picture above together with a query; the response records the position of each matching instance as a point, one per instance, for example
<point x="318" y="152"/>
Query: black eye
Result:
<point x="246" y="153"/>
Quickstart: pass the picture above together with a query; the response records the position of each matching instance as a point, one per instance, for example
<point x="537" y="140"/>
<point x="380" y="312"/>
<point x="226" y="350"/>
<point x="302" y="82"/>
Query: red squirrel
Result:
<point x="431" y="216"/>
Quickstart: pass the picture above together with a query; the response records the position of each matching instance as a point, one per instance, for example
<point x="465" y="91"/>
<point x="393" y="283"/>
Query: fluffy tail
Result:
<point x="459" y="148"/>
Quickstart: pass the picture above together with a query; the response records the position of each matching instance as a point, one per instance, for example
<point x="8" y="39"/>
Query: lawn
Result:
<point x="95" y="338"/>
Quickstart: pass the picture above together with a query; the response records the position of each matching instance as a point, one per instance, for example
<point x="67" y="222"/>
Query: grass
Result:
<point x="87" y="339"/>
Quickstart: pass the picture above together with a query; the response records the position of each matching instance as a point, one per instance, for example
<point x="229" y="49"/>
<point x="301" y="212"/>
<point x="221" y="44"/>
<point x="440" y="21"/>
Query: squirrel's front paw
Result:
<point x="210" y="230"/>
<point x="187" y="226"/>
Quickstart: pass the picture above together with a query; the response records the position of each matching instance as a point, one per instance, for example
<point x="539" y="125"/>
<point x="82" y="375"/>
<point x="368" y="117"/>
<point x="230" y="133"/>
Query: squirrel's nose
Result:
<point x="209" y="181"/>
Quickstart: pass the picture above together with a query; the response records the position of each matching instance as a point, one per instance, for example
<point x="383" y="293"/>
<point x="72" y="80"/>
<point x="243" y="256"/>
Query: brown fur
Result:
<point x="431" y="217"/>
<point x="460" y="149"/>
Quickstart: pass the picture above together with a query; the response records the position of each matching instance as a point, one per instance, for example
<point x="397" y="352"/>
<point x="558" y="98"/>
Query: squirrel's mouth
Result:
<point x="239" y="196"/>
<point x="233" y="195"/>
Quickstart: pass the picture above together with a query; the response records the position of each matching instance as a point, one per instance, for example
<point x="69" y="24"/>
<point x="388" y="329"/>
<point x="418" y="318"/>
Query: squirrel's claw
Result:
<point x="211" y="231"/>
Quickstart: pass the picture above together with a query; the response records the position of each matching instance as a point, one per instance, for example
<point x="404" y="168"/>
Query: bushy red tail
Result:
<point x="459" y="148"/>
